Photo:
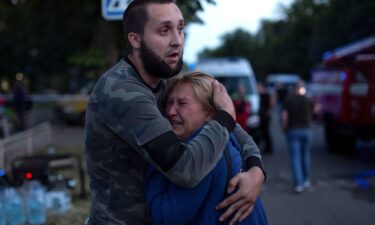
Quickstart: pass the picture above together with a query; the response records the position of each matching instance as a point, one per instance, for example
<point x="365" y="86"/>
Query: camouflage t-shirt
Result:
<point x="122" y="116"/>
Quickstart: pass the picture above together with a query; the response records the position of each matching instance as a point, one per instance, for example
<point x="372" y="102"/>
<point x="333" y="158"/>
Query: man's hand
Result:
<point x="222" y="100"/>
<point x="241" y="203"/>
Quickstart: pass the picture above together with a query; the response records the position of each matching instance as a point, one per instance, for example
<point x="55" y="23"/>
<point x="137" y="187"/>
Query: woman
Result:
<point x="188" y="107"/>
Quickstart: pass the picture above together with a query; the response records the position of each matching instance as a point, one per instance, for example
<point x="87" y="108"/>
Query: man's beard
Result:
<point x="154" y="65"/>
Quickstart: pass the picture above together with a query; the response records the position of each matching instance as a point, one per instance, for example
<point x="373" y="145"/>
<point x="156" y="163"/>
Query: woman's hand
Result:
<point x="241" y="203"/>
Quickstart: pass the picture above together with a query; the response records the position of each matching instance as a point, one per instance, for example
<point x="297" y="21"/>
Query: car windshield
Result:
<point x="232" y="84"/>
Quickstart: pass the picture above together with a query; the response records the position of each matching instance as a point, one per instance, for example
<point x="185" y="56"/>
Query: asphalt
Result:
<point x="336" y="197"/>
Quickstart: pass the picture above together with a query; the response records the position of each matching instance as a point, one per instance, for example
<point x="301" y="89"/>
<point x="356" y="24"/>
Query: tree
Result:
<point x="296" y="43"/>
<point x="236" y="43"/>
<point x="63" y="40"/>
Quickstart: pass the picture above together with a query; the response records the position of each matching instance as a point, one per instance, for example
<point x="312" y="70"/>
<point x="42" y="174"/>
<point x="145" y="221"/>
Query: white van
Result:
<point x="234" y="72"/>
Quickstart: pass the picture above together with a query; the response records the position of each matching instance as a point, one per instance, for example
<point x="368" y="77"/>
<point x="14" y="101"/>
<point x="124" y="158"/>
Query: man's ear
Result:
<point x="134" y="40"/>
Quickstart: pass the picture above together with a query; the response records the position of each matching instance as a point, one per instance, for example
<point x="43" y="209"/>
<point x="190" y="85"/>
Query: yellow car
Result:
<point x="72" y="108"/>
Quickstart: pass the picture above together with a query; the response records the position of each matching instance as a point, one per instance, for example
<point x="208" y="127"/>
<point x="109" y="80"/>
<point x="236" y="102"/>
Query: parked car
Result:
<point x="72" y="108"/>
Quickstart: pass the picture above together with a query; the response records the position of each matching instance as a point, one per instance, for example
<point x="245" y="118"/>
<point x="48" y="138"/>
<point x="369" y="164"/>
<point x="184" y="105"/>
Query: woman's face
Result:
<point x="185" y="113"/>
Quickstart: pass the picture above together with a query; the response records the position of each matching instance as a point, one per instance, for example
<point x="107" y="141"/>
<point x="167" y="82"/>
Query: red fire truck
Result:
<point x="344" y="87"/>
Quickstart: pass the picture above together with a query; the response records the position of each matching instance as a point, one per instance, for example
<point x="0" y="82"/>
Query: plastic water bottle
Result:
<point x="35" y="203"/>
<point x="2" y="215"/>
<point x="13" y="207"/>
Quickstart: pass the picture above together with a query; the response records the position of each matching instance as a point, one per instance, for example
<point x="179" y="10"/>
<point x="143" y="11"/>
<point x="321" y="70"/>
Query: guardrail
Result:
<point x="24" y="143"/>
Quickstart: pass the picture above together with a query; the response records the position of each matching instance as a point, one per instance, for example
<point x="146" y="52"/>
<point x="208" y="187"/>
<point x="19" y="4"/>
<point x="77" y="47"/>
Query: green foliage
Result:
<point x="91" y="58"/>
<point x="238" y="43"/>
<point x="191" y="8"/>
<point x="296" y="43"/>
<point x="38" y="36"/>
<point x="63" y="38"/>
<point x="50" y="39"/>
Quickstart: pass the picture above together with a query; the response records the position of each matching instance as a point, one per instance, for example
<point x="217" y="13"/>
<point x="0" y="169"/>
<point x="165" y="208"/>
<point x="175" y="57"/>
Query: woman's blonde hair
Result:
<point x="201" y="84"/>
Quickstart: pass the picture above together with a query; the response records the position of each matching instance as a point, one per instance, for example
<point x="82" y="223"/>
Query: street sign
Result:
<point x="113" y="9"/>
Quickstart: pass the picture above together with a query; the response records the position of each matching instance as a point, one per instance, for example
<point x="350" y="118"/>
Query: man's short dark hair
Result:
<point x="135" y="18"/>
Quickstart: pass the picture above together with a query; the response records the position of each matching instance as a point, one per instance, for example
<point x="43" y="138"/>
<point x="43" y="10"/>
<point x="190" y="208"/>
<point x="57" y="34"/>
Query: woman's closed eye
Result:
<point x="169" y="102"/>
<point x="182" y="102"/>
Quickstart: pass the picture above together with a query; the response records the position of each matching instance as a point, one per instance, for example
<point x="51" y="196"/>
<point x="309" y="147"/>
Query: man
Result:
<point x="281" y="93"/>
<point x="296" y="117"/>
<point x="125" y="129"/>
<point x="265" y="111"/>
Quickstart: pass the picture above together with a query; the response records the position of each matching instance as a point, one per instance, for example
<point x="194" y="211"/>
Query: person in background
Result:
<point x="242" y="107"/>
<point x="281" y="93"/>
<point x="2" y="105"/>
<point x="267" y="103"/>
<point x="4" y="132"/>
<point x="19" y="102"/>
<point x="296" y="118"/>
<point x="125" y="130"/>
<point x="188" y="107"/>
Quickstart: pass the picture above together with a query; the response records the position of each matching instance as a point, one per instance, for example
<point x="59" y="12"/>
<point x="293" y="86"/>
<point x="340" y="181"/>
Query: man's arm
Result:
<point x="130" y="110"/>
<point x="248" y="146"/>
<point x="249" y="183"/>
<point x="241" y="203"/>
<point x="187" y="164"/>
<point x="196" y="160"/>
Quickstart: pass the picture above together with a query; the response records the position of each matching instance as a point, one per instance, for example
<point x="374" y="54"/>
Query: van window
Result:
<point x="232" y="84"/>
